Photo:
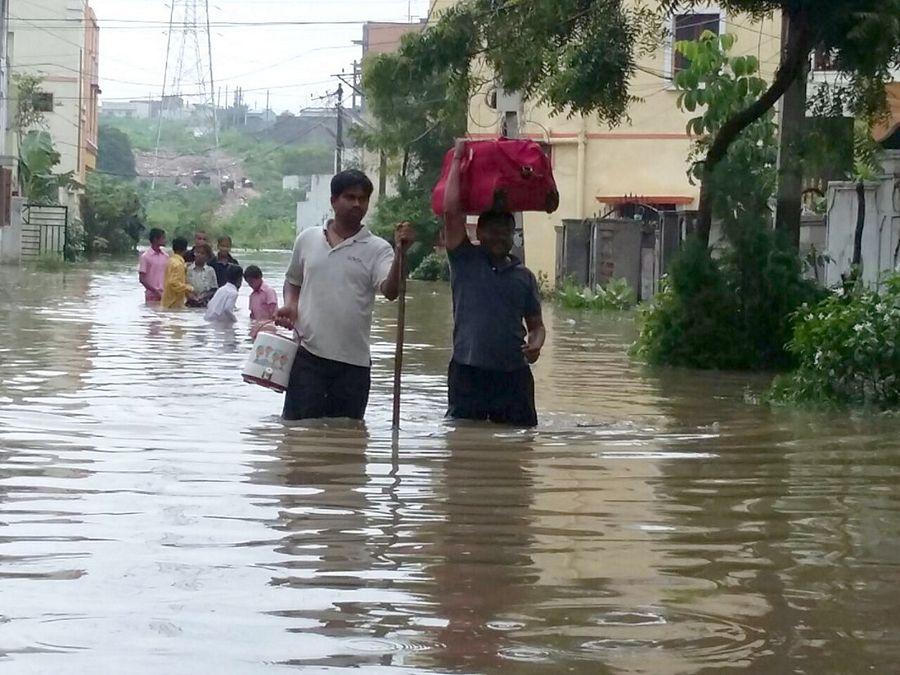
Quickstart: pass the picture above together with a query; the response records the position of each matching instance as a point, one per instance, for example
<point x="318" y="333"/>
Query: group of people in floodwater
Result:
<point x="329" y="294"/>
<point x="197" y="278"/>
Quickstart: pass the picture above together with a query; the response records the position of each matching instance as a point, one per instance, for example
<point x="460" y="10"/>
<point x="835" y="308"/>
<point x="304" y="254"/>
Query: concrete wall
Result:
<point x="315" y="210"/>
<point x="11" y="235"/>
<point x="880" y="251"/>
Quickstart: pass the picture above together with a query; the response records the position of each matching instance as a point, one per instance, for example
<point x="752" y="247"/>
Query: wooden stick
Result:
<point x="401" y="329"/>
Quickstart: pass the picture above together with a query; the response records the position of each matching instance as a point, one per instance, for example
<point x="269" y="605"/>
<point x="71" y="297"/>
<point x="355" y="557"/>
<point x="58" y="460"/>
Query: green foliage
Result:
<point x="173" y="134"/>
<point x="115" y="156"/>
<point x="862" y="36"/>
<point x="50" y="262"/>
<point x="37" y="157"/>
<point x="25" y="115"/>
<point x="730" y="313"/>
<point x="180" y="210"/>
<point x="265" y="222"/>
<point x="615" y="295"/>
<point x="846" y="350"/>
<point x="113" y="215"/>
<point x="412" y="205"/>
<point x="266" y="163"/>
<point x="717" y="86"/>
<point x="434" y="267"/>
<point x="419" y="109"/>
<point x="867" y="154"/>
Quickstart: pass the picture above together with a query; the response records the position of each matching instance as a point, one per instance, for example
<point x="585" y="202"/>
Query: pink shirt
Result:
<point x="263" y="303"/>
<point x="153" y="265"/>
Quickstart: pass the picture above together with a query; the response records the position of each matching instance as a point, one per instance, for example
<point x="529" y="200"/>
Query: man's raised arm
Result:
<point x="454" y="216"/>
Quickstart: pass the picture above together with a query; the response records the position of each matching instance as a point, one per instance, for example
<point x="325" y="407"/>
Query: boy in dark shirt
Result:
<point x="495" y="299"/>
<point x="222" y="260"/>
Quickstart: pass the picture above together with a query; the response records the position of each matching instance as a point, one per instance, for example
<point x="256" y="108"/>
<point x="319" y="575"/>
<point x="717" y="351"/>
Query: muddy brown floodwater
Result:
<point x="157" y="517"/>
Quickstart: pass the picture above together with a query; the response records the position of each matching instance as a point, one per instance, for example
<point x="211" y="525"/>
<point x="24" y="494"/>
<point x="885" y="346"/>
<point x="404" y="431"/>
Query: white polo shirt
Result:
<point x="337" y="292"/>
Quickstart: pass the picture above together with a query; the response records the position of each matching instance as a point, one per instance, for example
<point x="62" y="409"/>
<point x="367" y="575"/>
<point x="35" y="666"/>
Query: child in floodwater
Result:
<point x="263" y="299"/>
<point x="202" y="277"/>
<point x="222" y="306"/>
<point x="176" y="288"/>
<point x="223" y="259"/>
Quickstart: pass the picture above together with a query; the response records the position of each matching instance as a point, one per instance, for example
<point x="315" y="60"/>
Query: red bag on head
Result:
<point x="505" y="174"/>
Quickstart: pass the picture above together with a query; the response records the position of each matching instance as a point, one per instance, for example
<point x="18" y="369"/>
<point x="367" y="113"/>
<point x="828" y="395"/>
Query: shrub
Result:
<point x="846" y="350"/>
<point x="616" y="295"/>
<point x="731" y="313"/>
<point x="113" y="215"/>
<point x="434" y="267"/>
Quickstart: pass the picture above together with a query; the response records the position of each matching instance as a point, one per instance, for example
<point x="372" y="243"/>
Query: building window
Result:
<point x="42" y="101"/>
<point x="691" y="27"/>
<point x="823" y="60"/>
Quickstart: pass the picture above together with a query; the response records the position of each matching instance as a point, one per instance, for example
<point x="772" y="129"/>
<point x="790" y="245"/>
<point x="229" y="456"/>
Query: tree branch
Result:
<point x="795" y="56"/>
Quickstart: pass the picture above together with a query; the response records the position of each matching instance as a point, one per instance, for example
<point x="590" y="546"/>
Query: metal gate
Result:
<point x="45" y="231"/>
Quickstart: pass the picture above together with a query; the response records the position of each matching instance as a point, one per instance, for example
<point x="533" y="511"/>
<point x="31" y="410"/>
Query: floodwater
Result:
<point x="156" y="516"/>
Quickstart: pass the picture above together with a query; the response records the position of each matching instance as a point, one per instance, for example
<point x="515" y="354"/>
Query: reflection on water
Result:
<point x="156" y="515"/>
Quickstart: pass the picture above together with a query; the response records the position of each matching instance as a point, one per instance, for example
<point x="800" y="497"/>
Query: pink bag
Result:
<point x="505" y="174"/>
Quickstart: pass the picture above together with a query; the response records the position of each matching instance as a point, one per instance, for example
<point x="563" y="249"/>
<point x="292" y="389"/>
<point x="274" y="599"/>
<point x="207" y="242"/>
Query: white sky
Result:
<point x="295" y="62"/>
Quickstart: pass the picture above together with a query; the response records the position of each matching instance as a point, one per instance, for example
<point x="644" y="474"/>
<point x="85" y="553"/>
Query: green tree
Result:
<point x="419" y="109"/>
<point x="115" y="155"/>
<point x="112" y="213"/>
<point x="731" y="311"/>
<point x="37" y="158"/>
<point x="578" y="56"/>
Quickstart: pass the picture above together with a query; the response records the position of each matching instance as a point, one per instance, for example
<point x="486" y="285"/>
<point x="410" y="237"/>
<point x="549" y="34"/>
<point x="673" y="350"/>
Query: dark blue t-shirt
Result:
<point x="490" y="304"/>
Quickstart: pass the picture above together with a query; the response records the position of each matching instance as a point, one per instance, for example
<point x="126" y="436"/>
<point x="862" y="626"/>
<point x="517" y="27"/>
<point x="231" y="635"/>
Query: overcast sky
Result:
<point x="295" y="62"/>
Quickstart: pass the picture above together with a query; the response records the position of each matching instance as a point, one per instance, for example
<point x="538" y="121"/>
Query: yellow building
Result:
<point x="598" y="168"/>
<point x="90" y="86"/>
<point x="58" y="40"/>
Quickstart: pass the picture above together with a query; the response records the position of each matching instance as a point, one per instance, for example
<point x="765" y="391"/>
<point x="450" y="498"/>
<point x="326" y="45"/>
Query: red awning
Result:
<point x="678" y="200"/>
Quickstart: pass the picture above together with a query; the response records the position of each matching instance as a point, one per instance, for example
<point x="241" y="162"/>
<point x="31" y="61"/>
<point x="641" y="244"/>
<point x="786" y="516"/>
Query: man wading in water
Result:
<point x="495" y="297"/>
<point x="329" y="293"/>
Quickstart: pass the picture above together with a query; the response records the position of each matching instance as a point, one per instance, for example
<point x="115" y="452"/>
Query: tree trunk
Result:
<point x="794" y="58"/>
<point x="790" y="165"/>
<point x="860" y="225"/>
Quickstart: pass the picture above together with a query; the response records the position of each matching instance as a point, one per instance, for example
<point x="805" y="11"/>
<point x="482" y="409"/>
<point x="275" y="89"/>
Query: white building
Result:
<point x="315" y="210"/>
<point x="136" y="109"/>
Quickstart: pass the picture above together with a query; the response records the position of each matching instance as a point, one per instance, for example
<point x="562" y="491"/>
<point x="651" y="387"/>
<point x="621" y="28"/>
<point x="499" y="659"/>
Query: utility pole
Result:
<point x="353" y="89"/>
<point x="791" y="125"/>
<point x="339" y="136"/>
<point x="511" y="109"/>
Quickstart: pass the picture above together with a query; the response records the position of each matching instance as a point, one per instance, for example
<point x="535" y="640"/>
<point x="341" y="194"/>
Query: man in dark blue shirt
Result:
<point x="495" y="299"/>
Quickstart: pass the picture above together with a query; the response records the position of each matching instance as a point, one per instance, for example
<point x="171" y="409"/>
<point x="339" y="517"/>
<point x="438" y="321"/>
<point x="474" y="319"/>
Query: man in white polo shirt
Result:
<point x="329" y="294"/>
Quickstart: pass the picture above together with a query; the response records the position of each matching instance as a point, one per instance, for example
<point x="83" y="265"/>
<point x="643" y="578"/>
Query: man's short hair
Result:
<point x="206" y="249"/>
<point x="224" y="239"/>
<point x="179" y="244"/>
<point x="348" y="179"/>
<point x="155" y="233"/>
<point x="497" y="218"/>
<point x="252" y="272"/>
<point x="234" y="274"/>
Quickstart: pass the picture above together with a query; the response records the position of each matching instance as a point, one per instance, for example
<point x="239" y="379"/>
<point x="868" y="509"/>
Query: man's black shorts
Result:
<point x="505" y="397"/>
<point x="325" y="388"/>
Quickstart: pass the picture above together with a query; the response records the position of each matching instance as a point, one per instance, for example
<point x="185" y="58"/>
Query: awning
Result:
<point x="678" y="200"/>
<point x="886" y="128"/>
